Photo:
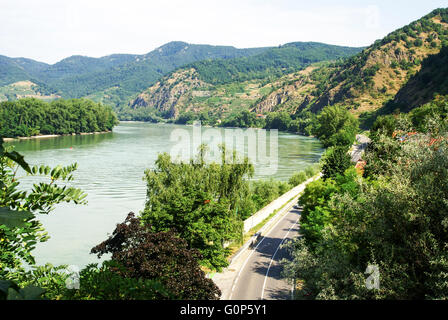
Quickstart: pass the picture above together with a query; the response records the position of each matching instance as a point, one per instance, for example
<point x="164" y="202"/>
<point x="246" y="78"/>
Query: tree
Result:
<point x="200" y="201"/>
<point x="158" y="256"/>
<point x="278" y="120"/>
<point x="243" y="119"/>
<point x="336" y="126"/>
<point x="335" y="162"/>
<point x="396" y="222"/>
<point x="27" y="117"/>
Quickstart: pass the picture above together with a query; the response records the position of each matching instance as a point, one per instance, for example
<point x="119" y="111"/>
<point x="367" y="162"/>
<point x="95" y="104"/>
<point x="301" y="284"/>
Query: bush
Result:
<point x="302" y="176"/>
<point x="47" y="277"/>
<point x="143" y="257"/>
<point x="395" y="220"/>
<point x="200" y="201"/>
<point x="298" y="178"/>
<point x="105" y="283"/>
<point x="278" y="120"/>
<point x="26" y="117"/>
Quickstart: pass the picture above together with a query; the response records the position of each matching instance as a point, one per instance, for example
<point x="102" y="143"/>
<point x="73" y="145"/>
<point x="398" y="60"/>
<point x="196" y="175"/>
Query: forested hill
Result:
<point x="112" y="79"/>
<point x="30" y="117"/>
<point x="211" y="84"/>
<point x="18" y="69"/>
<point x="270" y="63"/>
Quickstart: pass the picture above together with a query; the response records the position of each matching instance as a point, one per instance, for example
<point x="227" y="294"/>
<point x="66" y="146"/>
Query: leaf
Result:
<point x="19" y="159"/>
<point x="14" y="219"/>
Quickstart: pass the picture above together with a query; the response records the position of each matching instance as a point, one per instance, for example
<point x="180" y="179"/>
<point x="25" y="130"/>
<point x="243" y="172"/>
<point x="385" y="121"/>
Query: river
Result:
<point x="111" y="170"/>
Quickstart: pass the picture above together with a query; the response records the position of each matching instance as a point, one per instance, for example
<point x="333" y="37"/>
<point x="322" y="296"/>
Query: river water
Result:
<point x="111" y="170"/>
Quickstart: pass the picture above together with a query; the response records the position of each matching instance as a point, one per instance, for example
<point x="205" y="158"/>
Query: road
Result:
<point x="359" y="148"/>
<point x="260" y="273"/>
<point x="255" y="274"/>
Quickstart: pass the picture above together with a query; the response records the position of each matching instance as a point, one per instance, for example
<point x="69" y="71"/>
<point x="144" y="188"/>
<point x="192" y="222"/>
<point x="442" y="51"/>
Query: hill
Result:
<point x="430" y="81"/>
<point x="403" y="70"/>
<point x="26" y="89"/>
<point x="112" y="79"/>
<point x="369" y="80"/>
<point x="18" y="69"/>
<point x="221" y="86"/>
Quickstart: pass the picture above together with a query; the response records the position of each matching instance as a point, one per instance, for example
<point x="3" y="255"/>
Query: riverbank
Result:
<point x="46" y="136"/>
<point x="110" y="171"/>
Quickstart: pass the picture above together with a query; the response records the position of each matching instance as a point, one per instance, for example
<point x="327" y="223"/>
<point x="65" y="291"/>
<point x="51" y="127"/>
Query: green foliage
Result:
<point x="303" y="123"/>
<point x="270" y="63"/>
<point x="335" y="161"/>
<point x="139" y="114"/>
<point x="278" y="120"/>
<point x="243" y="119"/>
<point x="302" y="176"/>
<point x="27" y="117"/>
<point x="396" y="219"/>
<point x="186" y="118"/>
<point x="262" y="193"/>
<point x="106" y="283"/>
<point x="19" y="208"/>
<point x="298" y="178"/>
<point x="316" y="213"/>
<point x="200" y="201"/>
<point x="336" y="126"/>
<point x="51" y="279"/>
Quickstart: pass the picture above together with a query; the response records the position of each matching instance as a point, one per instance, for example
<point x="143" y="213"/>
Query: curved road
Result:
<point x="259" y="276"/>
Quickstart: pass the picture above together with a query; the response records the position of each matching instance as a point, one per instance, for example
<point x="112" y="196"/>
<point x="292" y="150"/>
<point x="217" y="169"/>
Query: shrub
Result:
<point x="149" y="257"/>
<point x="335" y="162"/>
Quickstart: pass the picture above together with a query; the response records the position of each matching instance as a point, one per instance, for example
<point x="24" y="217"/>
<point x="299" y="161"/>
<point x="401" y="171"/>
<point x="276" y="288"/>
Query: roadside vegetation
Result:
<point x="391" y="214"/>
<point x="193" y="209"/>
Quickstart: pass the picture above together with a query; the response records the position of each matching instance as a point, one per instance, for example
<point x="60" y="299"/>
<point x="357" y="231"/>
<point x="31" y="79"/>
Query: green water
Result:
<point x="111" y="170"/>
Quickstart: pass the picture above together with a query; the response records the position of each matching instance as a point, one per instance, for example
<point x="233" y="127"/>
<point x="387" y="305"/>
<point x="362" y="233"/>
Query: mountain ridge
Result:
<point x="180" y="90"/>
<point x="363" y="83"/>
<point x="79" y="76"/>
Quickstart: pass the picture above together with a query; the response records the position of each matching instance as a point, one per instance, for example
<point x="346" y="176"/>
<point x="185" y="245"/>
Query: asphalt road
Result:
<point x="259" y="276"/>
<point x="359" y="149"/>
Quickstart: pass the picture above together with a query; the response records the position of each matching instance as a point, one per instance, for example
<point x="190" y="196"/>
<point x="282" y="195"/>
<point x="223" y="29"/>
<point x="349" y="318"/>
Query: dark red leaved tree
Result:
<point x="161" y="256"/>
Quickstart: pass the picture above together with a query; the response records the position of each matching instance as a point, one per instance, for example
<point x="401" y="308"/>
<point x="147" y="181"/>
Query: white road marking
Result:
<point x="273" y="257"/>
<point x="254" y="250"/>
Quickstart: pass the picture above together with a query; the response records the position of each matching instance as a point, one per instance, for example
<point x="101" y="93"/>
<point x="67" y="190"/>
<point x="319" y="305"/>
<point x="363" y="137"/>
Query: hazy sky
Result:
<point x="49" y="30"/>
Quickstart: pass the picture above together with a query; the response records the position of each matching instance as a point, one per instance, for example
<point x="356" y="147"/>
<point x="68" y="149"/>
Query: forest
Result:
<point x="271" y="63"/>
<point x="31" y="117"/>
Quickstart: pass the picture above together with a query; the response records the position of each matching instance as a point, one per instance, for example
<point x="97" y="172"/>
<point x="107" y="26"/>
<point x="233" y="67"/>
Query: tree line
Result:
<point x="30" y="117"/>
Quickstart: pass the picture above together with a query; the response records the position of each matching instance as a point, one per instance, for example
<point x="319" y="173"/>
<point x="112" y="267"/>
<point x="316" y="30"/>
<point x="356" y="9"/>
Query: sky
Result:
<point x="50" y="30"/>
